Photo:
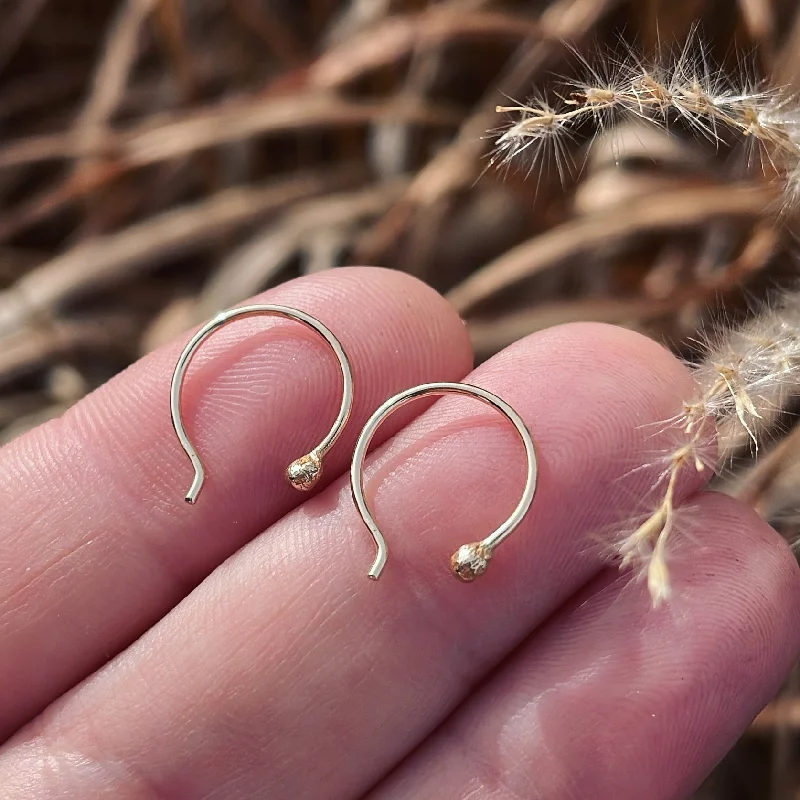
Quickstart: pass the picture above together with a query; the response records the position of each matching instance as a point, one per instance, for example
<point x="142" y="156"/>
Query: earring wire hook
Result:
<point x="304" y="472"/>
<point x="470" y="560"/>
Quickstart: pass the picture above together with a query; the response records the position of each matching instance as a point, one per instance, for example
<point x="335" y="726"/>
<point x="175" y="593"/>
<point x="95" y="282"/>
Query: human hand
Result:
<point x="268" y="666"/>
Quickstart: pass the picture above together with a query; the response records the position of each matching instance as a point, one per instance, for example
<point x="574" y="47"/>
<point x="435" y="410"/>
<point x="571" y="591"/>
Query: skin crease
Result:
<point x="287" y="674"/>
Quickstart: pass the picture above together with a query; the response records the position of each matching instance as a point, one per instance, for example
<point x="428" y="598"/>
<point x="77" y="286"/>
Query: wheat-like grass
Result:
<point x="681" y="88"/>
<point x="743" y="381"/>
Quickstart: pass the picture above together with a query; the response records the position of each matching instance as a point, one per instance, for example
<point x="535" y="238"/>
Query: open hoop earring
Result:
<point x="304" y="472"/>
<point x="470" y="560"/>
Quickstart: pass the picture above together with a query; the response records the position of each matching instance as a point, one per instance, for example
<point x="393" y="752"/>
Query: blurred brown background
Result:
<point x="163" y="159"/>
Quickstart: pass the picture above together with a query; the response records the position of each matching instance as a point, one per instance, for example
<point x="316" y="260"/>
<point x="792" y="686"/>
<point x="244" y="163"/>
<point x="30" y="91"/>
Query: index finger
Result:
<point x="96" y="542"/>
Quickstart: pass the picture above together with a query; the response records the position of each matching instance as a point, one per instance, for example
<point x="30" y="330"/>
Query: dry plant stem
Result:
<point x="111" y="259"/>
<point x="93" y="177"/>
<point x="111" y="75"/>
<point x="356" y="16"/>
<point x="31" y="420"/>
<point x="14" y="29"/>
<point x="490" y="335"/>
<point x="784" y="711"/>
<point x="787" y="70"/>
<point x="14" y="263"/>
<point x="110" y="82"/>
<point x="759" y="18"/>
<point x="207" y="127"/>
<point x="784" y="771"/>
<point x="663" y="212"/>
<point x="396" y="37"/>
<point x="168" y="141"/>
<point x="170" y="22"/>
<point x="28" y="351"/>
<point x="251" y="267"/>
<point x="394" y="142"/>
<point x="458" y="165"/>
<point x="754" y="486"/>
<point x="18" y="405"/>
<point x="269" y="27"/>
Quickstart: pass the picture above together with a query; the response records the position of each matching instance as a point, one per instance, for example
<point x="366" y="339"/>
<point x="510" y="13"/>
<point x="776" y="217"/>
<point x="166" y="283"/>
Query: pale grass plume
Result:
<point x="544" y="138"/>
<point x="682" y="88"/>
<point x="744" y="379"/>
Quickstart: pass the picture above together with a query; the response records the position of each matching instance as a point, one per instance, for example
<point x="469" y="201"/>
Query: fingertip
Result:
<point x="599" y="345"/>
<point x="433" y="316"/>
<point x="738" y="561"/>
<point x="585" y="382"/>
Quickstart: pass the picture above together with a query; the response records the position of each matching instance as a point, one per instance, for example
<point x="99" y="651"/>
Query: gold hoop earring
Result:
<point x="304" y="472"/>
<point x="470" y="560"/>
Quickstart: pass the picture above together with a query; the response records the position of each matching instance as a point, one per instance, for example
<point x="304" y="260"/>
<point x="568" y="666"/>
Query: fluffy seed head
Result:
<point x="658" y="582"/>
<point x="683" y="86"/>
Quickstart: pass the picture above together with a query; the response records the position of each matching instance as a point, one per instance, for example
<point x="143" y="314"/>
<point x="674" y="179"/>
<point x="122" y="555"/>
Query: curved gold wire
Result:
<point x="470" y="560"/>
<point x="304" y="472"/>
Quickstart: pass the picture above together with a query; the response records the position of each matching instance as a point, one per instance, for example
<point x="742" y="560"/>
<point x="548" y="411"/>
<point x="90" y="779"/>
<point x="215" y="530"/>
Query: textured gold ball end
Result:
<point x="470" y="561"/>
<point x="304" y="473"/>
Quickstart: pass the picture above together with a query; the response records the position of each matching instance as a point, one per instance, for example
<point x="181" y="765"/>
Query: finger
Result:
<point x="301" y="654"/>
<point x="614" y="700"/>
<point x="97" y="542"/>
